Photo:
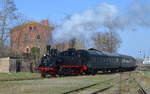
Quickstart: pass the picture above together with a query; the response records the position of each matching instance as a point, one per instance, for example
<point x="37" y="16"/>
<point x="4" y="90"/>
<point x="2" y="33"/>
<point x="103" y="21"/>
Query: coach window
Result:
<point x="103" y="59"/>
<point x="128" y="61"/>
<point x="106" y="59"/>
<point x="99" y="59"/>
<point x="79" y="55"/>
<point x="113" y="60"/>
<point x="110" y="59"/>
<point x="94" y="58"/>
<point x="124" y="60"/>
<point x="117" y="59"/>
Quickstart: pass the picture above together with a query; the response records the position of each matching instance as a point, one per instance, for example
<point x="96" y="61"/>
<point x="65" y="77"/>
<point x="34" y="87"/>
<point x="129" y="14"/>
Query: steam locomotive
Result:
<point x="88" y="62"/>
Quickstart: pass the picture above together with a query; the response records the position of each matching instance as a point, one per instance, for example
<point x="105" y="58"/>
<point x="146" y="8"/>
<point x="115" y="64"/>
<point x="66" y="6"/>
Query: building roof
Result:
<point x="30" y="23"/>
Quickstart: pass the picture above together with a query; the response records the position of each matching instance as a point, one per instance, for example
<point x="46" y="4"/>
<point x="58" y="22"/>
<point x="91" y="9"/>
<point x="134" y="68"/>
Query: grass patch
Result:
<point x="20" y="75"/>
<point x="147" y="73"/>
<point x="50" y="85"/>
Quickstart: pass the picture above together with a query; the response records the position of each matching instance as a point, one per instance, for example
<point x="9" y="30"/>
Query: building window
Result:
<point x="27" y="49"/>
<point x="34" y="27"/>
<point x="30" y="27"/>
<point x="26" y="37"/>
<point x="38" y="37"/>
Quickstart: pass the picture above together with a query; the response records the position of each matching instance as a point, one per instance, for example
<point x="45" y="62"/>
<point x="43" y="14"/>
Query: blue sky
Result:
<point x="56" y="10"/>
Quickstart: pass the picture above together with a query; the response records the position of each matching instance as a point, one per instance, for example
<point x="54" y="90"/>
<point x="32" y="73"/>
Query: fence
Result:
<point x="18" y="65"/>
<point x="4" y="65"/>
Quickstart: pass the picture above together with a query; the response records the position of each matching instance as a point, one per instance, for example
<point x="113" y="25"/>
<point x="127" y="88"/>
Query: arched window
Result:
<point x="26" y="37"/>
<point x="27" y="50"/>
<point x="30" y="28"/>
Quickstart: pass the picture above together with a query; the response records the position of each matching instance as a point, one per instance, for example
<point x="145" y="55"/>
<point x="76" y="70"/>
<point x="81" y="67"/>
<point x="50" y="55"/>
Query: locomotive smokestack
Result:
<point x="48" y="49"/>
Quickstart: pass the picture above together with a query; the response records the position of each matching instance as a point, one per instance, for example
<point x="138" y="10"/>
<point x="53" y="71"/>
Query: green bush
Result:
<point x="35" y="52"/>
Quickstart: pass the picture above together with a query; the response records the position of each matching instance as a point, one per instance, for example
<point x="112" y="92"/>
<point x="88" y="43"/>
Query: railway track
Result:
<point x="88" y="86"/>
<point x="108" y="87"/>
<point x="141" y="89"/>
<point x="104" y="88"/>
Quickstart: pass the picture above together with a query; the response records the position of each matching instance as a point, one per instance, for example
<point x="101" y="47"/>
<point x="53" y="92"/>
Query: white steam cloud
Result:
<point x="105" y="17"/>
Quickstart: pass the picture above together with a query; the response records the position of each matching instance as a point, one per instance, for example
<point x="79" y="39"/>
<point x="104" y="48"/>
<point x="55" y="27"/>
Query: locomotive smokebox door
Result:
<point x="48" y="49"/>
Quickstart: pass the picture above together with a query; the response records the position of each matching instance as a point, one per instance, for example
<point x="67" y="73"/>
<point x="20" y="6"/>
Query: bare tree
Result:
<point x="107" y="41"/>
<point x="7" y="13"/>
<point x="72" y="43"/>
<point x="8" y="19"/>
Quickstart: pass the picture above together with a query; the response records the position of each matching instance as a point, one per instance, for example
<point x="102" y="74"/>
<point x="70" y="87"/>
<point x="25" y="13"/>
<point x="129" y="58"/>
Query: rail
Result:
<point x="107" y="87"/>
<point x="141" y="90"/>
<point x="85" y="87"/>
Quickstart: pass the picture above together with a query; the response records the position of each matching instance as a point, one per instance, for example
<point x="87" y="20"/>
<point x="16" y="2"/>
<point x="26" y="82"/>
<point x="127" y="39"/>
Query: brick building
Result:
<point x="34" y="34"/>
<point x="29" y="35"/>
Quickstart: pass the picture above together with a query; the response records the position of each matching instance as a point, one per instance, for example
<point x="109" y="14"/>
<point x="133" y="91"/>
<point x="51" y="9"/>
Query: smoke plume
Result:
<point x="105" y="17"/>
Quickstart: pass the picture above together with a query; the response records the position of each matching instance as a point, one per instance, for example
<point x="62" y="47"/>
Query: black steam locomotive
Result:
<point x="76" y="62"/>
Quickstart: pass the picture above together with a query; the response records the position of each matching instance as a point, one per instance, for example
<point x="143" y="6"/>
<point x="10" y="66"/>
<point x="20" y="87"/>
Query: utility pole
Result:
<point x="120" y="73"/>
<point x="140" y="56"/>
<point x="120" y="84"/>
